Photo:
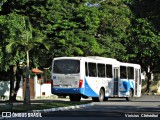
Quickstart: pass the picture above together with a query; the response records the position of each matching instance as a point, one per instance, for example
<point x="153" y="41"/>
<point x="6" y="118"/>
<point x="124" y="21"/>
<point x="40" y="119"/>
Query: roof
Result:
<point x="36" y="71"/>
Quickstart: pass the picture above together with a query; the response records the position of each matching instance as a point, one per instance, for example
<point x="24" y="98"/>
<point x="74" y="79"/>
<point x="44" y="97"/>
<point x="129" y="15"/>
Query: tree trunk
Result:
<point x="148" y="82"/>
<point x="27" y="92"/>
<point x="12" y="80"/>
<point x="18" y="80"/>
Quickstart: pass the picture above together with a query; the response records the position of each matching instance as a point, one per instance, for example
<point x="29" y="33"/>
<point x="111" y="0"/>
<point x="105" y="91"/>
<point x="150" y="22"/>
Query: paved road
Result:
<point x="143" y="104"/>
<point x="114" y="107"/>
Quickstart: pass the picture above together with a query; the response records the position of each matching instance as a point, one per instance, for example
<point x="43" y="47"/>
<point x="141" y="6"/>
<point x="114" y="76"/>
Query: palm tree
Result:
<point x="26" y="40"/>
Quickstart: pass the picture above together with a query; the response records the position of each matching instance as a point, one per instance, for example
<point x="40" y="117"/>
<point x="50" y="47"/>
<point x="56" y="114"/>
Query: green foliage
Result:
<point x="70" y="29"/>
<point x="143" y="47"/>
<point x="127" y="30"/>
<point x="9" y="29"/>
<point x="1" y="3"/>
<point x="112" y="32"/>
<point x="16" y="39"/>
<point x="147" y="9"/>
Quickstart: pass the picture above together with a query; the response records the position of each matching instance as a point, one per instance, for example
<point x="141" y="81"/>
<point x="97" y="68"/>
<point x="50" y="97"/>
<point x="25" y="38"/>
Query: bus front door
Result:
<point x="116" y="73"/>
<point x="136" y="81"/>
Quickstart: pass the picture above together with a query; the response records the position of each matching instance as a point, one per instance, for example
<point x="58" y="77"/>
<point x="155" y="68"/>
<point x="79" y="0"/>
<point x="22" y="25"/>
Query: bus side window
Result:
<point x="130" y="73"/>
<point x="92" y="69"/>
<point x="123" y="72"/>
<point x="101" y="70"/>
<point x="109" y="71"/>
<point x="86" y="68"/>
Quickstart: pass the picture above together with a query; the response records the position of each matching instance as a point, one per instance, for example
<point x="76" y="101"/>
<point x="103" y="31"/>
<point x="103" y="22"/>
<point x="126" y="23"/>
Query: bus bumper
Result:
<point x="67" y="91"/>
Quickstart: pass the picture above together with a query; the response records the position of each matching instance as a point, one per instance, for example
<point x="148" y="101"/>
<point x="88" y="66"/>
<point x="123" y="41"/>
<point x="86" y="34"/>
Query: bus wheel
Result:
<point x="101" y="95"/>
<point x="130" y="98"/>
<point x="75" y="97"/>
<point x="100" y="98"/>
<point x="106" y="99"/>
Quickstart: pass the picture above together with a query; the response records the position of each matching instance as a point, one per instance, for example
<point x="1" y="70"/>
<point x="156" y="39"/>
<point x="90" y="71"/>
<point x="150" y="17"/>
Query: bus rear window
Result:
<point x="66" y="66"/>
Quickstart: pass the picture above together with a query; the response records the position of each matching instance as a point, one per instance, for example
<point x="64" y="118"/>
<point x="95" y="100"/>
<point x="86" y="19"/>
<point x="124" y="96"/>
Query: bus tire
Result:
<point x="100" y="98"/>
<point x="106" y="99"/>
<point x="75" y="97"/>
<point x="101" y="95"/>
<point x="130" y="98"/>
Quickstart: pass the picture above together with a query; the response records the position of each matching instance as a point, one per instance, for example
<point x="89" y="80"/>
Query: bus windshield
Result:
<point x="66" y="66"/>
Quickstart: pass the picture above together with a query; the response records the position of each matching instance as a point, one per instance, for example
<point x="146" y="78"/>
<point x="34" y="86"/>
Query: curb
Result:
<point x="63" y="108"/>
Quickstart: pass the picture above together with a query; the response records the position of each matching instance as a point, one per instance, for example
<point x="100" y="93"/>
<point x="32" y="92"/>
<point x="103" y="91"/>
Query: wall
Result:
<point x="40" y="90"/>
<point x="4" y="90"/>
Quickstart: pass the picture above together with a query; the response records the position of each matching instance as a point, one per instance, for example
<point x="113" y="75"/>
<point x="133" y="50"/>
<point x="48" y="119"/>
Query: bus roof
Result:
<point x="111" y="60"/>
<point x="100" y="59"/>
<point x="88" y="57"/>
<point x="77" y="58"/>
<point x="130" y="64"/>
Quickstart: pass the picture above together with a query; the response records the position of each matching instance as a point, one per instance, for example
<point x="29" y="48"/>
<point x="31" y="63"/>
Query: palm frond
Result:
<point x="41" y="40"/>
<point x="47" y="46"/>
<point x="9" y="47"/>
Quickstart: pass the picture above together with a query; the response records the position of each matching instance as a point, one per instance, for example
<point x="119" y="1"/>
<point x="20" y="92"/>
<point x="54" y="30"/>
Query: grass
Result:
<point x="39" y="106"/>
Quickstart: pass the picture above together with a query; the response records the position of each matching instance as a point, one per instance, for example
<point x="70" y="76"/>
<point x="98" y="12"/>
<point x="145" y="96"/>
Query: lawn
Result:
<point x="39" y="106"/>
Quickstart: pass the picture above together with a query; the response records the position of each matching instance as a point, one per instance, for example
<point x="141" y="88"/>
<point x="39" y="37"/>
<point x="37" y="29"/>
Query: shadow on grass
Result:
<point x="19" y="107"/>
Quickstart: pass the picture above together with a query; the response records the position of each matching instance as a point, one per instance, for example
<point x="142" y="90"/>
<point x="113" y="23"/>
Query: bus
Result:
<point x="97" y="77"/>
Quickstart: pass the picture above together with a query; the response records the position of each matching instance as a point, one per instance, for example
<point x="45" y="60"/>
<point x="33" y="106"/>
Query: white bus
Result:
<point x="96" y="77"/>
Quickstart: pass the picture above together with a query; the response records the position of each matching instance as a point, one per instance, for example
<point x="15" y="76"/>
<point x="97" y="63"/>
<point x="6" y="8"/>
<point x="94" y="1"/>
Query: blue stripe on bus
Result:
<point x="67" y="90"/>
<point x="88" y="90"/>
<point x="128" y="85"/>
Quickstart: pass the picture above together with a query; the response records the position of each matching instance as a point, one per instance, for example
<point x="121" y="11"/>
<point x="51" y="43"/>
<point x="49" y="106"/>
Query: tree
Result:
<point x="70" y="31"/>
<point x="143" y="47"/>
<point x="147" y="9"/>
<point x="1" y="3"/>
<point x="9" y="61"/>
<point x="25" y="41"/>
<point x="112" y="33"/>
<point x="75" y="29"/>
